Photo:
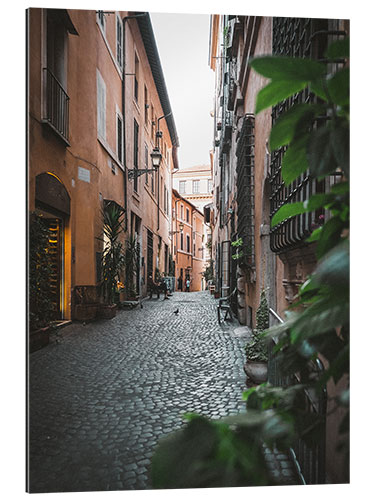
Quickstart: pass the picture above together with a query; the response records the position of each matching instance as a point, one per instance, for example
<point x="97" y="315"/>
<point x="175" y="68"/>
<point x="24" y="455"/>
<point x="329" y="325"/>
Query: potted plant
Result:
<point x="131" y="266"/>
<point x="40" y="302"/>
<point x="113" y="258"/>
<point x="256" y="349"/>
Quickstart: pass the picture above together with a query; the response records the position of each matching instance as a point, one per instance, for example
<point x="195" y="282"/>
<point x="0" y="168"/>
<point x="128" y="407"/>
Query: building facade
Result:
<point x="97" y="108"/>
<point x="195" y="184"/>
<point x="248" y="189"/>
<point x="188" y="244"/>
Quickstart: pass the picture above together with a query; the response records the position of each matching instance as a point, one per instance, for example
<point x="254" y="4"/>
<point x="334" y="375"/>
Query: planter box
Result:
<point x="106" y="311"/>
<point x="39" y="338"/>
<point x="85" y="312"/>
<point x="256" y="371"/>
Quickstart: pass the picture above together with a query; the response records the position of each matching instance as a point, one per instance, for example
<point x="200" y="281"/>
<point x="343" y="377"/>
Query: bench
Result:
<point x="224" y="309"/>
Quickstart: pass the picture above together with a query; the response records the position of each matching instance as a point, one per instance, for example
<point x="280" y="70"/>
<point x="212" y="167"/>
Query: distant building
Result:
<point x="195" y="184"/>
<point x="188" y="244"/>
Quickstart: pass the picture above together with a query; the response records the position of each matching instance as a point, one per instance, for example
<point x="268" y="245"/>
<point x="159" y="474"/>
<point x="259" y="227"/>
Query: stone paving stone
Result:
<point x="102" y="398"/>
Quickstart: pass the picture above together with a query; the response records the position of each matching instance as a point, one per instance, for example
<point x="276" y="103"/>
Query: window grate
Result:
<point x="306" y="38"/>
<point x="245" y="190"/>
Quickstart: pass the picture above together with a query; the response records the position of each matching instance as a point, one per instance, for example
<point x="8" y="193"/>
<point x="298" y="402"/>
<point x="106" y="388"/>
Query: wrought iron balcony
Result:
<point x="56" y="112"/>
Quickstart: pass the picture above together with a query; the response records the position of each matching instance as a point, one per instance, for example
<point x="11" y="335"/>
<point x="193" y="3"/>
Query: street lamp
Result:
<point x="155" y="159"/>
<point x="181" y="228"/>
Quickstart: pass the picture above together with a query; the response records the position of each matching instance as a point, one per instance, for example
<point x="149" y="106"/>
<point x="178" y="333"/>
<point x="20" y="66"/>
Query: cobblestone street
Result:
<point x="103" y="396"/>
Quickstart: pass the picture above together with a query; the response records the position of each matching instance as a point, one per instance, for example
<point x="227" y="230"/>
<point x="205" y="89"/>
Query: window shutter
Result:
<point x="101" y="89"/>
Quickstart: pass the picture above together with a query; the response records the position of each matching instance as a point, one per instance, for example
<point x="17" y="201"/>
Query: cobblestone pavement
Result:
<point x="103" y="396"/>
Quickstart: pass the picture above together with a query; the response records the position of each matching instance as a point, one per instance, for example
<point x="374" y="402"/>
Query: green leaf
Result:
<point x="294" y="161"/>
<point x="340" y="188"/>
<point x="330" y="235"/>
<point x="340" y="142"/>
<point x="317" y="201"/>
<point x="333" y="269"/>
<point x="338" y="87"/>
<point x="288" y="68"/>
<point x="277" y="91"/>
<point x="289" y="123"/>
<point x="286" y="211"/>
<point x="338" y="49"/>
<point x="320" y="154"/>
<point x="315" y="235"/>
<point x="319" y="88"/>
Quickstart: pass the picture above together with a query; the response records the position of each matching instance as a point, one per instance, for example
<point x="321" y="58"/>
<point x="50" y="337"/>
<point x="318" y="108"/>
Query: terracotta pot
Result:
<point x="39" y="338"/>
<point x="107" y="311"/>
<point x="256" y="371"/>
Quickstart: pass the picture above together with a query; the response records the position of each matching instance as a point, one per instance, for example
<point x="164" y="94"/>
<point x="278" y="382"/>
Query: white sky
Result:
<point x="182" y="41"/>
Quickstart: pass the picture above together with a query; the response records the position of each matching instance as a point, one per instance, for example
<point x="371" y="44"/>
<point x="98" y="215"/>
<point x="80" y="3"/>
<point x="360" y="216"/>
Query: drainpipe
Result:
<point x="157" y="145"/>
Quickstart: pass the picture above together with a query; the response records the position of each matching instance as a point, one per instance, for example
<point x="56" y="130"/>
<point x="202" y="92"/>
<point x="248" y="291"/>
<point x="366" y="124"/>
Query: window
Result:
<point x="56" y="100"/>
<point x="196" y="186"/>
<point x="182" y="187"/>
<point x="135" y="154"/>
<point x="182" y="241"/>
<point x="187" y="243"/>
<point x="182" y="212"/>
<point x="119" y="39"/>
<point x="187" y="215"/>
<point x="101" y="106"/>
<point x="136" y="76"/>
<point x="146" y="162"/>
<point x="101" y="20"/>
<point x="120" y="149"/>
<point x="209" y="185"/>
<point x="146" y="105"/>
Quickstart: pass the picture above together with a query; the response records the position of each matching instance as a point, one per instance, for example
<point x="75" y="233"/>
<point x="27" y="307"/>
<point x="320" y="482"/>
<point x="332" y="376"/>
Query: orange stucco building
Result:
<point x="188" y="244"/>
<point x="97" y="108"/>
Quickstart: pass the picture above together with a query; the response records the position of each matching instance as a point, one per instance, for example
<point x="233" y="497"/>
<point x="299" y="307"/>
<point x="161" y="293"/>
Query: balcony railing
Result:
<point x="309" y="460"/>
<point x="56" y="105"/>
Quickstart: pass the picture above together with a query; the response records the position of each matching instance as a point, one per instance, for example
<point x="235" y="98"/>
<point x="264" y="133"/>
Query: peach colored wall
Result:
<point x="87" y="53"/>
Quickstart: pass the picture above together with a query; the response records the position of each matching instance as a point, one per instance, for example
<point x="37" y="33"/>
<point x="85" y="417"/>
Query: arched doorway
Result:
<point x="52" y="205"/>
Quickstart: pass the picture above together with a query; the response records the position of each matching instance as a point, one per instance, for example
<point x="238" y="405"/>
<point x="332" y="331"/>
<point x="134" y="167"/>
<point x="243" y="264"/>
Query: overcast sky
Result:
<point x="182" y="41"/>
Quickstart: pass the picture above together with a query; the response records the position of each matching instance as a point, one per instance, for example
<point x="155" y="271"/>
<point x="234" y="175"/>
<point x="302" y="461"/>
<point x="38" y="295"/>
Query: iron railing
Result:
<point x="246" y="190"/>
<point x="306" y="38"/>
<point x="308" y="460"/>
<point x="56" y="105"/>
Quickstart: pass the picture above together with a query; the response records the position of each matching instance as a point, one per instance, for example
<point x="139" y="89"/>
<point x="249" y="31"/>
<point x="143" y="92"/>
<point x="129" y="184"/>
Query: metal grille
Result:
<point x="309" y="460"/>
<point x="306" y="38"/>
<point x="57" y="105"/>
<point x="245" y="190"/>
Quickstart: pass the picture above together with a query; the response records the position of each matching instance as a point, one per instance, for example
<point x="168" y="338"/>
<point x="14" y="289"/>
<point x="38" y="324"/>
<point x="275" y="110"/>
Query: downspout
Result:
<point x="157" y="145"/>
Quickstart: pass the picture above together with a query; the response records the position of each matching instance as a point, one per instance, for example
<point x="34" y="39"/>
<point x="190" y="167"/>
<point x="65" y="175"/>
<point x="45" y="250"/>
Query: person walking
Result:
<point x="188" y="284"/>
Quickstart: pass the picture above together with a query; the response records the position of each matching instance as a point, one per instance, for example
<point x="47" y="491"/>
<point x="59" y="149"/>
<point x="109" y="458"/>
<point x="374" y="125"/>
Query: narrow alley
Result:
<point x="104" y="395"/>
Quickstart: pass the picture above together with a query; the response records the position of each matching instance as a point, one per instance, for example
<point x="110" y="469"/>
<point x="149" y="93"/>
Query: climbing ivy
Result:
<point x="228" y="452"/>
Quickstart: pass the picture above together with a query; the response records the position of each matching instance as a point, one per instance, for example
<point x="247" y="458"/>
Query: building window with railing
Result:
<point x="146" y="163"/>
<point x="136" y="77"/>
<point x="56" y="99"/>
<point x="135" y="154"/>
<point x="119" y="41"/>
<point x="306" y="38"/>
<point x="120" y="131"/>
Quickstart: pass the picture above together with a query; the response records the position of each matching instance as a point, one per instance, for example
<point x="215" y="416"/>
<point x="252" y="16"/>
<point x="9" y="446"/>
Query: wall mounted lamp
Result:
<point x="155" y="159"/>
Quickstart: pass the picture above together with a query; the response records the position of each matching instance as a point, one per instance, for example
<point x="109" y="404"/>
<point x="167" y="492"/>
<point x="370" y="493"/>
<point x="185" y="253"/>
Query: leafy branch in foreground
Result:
<point x="228" y="452"/>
